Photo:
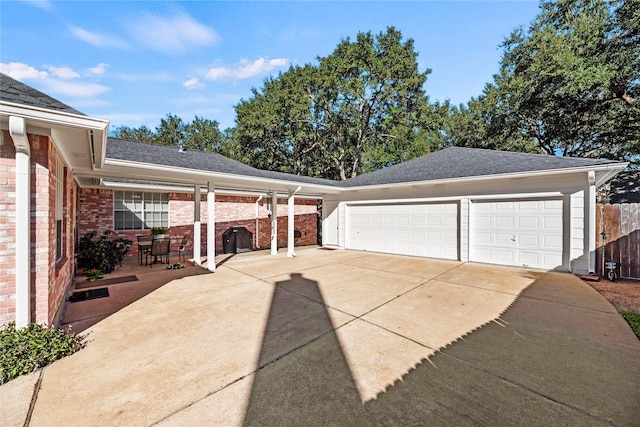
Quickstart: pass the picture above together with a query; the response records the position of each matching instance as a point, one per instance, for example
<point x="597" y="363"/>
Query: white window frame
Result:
<point x="138" y="210"/>
<point x="59" y="209"/>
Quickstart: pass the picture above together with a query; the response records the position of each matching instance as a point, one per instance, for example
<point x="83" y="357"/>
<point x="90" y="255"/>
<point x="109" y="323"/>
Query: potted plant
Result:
<point x="94" y="274"/>
<point x="158" y="232"/>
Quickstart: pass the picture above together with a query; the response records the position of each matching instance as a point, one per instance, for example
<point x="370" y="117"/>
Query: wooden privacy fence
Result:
<point x="621" y="222"/>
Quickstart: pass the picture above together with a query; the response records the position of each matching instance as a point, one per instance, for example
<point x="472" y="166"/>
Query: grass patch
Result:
<point x="27" y="349"/>
<point x="634" y="321"/>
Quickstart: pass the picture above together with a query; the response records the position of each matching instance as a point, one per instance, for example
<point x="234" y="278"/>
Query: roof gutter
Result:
<point x="252" y="181"/>
<point x="611" y="170"/>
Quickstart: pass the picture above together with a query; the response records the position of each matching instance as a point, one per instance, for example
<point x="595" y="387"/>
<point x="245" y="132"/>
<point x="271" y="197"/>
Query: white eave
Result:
<point x="171" y="174"/>
<point x="39" y="120"/>
<point x="603" y="174"/>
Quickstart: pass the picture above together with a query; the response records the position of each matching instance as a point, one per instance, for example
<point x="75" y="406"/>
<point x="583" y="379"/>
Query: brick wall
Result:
<point x="50" y="283"/>
<point x="95" y="212"/>
<point x="7" y="229"/>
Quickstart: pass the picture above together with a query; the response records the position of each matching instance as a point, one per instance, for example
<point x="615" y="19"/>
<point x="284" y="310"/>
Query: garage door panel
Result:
<point x="517" y="232"/>
<point x="504" y="222"/>
<point x="411" y="229"/>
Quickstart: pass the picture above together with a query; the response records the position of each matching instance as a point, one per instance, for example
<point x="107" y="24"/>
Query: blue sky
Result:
<point x="133" y="62"/>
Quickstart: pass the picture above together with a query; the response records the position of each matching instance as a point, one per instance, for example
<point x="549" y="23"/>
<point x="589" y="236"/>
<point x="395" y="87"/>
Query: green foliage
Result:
<point x="155" y="231"/>
<point x="102" y="254"/>
<point x="27" y="349"/>
<point x="567" y="85"/>
<point x="201" y="134"/>
<point x="94" y="274"/>
<point x="634" y="321"/>
<point x="361" y="108"/>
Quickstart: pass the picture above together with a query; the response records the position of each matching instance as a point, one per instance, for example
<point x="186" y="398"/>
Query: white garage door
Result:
<point x="517" y="232"/>
<point x="428" y="230"/>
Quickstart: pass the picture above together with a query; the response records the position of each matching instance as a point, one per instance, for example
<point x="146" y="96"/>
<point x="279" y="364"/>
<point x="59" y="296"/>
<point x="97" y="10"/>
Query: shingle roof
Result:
<point x="458" y="162"/>
<point x="12" y="90"/>
<point x="198" y="160"/>
<point x="453" y="162"/>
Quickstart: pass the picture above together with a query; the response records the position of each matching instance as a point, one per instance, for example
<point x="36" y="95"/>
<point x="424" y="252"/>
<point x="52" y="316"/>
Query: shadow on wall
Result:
<point x="625" y="251"/>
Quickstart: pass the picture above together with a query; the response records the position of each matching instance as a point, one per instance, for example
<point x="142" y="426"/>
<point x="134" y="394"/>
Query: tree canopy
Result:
<point x="567" y="85"/>
<point x="201" y="134"/>
<point x="361" y="108"/>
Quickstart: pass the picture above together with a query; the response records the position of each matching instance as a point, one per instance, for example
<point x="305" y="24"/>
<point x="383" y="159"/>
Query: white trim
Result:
<point x="591" y="237"/>
<point x="291" y="222"/>
<point x="17" y="130"/>
<point x="453" y="198"/>
<point x="196" y="227"/>
<point x="53" y="117"/>
<point x="274" y="223"/>
<point x="211" y="227"/>
<point x="252" y="181"/>
<point x="514" y="175"/>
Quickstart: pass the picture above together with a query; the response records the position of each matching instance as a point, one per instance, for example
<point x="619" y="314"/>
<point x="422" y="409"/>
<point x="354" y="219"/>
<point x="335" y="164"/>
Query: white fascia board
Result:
<point x="166" y="188"/>
<point x="41" y="116"/>
<point x="604" y="175"/>
<point x="203" y="176"/>
<point x="612" y="169"/>
<point x="543" y="195"/>
<point x="60" y="118"/>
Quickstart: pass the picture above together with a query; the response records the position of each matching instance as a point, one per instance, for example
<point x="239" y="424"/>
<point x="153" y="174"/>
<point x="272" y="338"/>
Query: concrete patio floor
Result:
<point x="339" y="338"/>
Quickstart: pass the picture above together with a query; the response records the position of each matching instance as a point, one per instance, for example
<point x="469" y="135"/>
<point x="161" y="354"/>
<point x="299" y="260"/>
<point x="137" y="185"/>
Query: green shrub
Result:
<point x="633" y="319"/>
<point x="102" y="254"/>
<point x="27" y="349"/>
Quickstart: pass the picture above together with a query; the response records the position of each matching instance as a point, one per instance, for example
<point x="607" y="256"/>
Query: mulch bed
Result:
<point x="624" y="295"/>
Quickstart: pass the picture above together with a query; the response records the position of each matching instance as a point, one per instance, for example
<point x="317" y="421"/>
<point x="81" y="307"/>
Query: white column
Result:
<point x="211" y="227"/>
<point x="197" y="242"/>
<point x="591" y="238"/>
<point x="290" y="225"/>
<point x="23" y="240"/>
<point x="274" y="223"/>
<point x="17" y="130"/>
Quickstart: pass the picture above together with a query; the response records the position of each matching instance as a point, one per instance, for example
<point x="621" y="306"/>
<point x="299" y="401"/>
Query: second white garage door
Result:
<point x="517" y="232"/>
<point x="428" y="230"/>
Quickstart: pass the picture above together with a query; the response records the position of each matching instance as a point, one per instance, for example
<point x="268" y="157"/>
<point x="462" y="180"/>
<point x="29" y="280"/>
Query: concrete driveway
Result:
<point x="347" y="338"/>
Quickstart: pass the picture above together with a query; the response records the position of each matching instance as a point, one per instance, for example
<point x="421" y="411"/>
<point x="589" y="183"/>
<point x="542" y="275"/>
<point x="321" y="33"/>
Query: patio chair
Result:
<point x="144" y="246"/>
<point x="159" y="249"/>
<point x="183" y="246"/>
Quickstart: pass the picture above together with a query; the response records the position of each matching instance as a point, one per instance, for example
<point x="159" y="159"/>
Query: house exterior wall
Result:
<point x="50" y="281"/>
<point x="571" y="187"/>
<point x="95" y="212"/>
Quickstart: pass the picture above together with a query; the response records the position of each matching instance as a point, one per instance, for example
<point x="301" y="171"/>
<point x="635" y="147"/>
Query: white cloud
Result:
<point x="156" y="76"/>
<point x="193" y="83"/>
<point x="21" y="71"/>
<point x="55" y="83"/>
<point x="76" y="89"/>
<point x="98" y="70"/>
<point x="42" y="4"/>
<point x="97" y="40"/>
<point x="246" y="69"/>
<point x="63" y="72"/>
<point x="172" y="35"/>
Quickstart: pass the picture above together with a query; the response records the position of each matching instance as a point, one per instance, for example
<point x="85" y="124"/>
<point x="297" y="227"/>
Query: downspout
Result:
<point x="257" y="222"/>
<point x="17" y="130"/>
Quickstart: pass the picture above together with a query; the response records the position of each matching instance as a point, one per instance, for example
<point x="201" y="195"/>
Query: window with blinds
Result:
<point x="133" y="210"/>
